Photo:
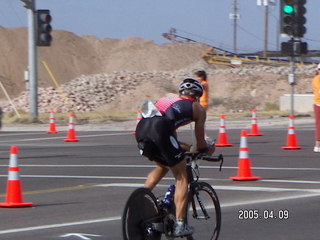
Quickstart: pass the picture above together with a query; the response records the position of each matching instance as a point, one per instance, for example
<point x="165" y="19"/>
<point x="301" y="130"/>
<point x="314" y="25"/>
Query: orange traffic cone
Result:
<point x="244" y="168"/>
<point x="71" y="136"/>
<point x="52" y="124"/>
<point x="223" y="138"/>
<point x="254" y="125"/>
<point x="291" y="138"/>
<point x="139" y="117"/>
<point x="14" y="190"/>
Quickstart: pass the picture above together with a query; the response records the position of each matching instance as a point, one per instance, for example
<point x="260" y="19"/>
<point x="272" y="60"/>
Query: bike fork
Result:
<point x="204" y="211"/>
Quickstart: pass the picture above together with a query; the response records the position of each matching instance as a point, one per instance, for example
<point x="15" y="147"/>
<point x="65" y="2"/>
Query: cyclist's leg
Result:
<point x="172" y="155"/>
<point x="180" y="196"/>
<point x="147" y="132"/>
<point x="155" y="176"/>
<point x="180" y="199"/>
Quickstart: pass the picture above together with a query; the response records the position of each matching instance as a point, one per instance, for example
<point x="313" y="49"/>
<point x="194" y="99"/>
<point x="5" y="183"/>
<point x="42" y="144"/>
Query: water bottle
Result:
<point x="168" y="198"/>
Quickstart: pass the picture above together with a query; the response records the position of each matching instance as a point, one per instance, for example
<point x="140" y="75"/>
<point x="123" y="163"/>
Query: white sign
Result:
<point x="236" y="62"/>
<point x="234" y="16"/>
<point x="273" y="2"/>
<point x="266" y="2"/>
<point x="83" y="236"/>
<point x="291" y="78"/>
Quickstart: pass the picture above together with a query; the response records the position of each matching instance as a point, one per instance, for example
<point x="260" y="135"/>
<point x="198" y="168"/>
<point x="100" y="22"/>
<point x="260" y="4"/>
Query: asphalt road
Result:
<point x="79" y="188"/>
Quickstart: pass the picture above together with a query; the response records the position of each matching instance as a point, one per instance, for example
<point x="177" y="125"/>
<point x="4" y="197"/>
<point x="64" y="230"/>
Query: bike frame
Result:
<point x="193" y="183"/>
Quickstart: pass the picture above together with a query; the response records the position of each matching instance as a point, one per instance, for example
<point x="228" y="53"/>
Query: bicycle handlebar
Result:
<point x="202" y="156"/>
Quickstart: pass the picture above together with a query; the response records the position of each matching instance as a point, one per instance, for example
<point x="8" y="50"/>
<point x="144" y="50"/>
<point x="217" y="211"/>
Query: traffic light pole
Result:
<point x="32" y="61"/>
<point x="292" y="21"/>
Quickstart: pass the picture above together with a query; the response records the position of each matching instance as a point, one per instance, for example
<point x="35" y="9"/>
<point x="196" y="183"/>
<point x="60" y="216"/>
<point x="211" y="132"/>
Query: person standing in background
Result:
<point x="202" y="78"/>
<point x="316" y="107"/>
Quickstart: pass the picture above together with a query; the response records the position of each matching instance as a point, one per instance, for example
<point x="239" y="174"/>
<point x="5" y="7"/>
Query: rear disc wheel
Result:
<point x="139" y="211"/>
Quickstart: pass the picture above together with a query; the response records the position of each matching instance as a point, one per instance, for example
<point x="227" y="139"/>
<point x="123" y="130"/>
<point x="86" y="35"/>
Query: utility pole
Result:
<point x="266" y="4"/>
<point x="235" y="27"/>
<point x="32" y="61"/>
<point x="266" y="25"/>
<point x="235" y="16"/>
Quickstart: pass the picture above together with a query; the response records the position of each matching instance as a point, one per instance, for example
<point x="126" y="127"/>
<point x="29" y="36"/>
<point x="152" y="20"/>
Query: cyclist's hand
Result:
<point x="211" y="146"/>
<point x="212" y="149"/>
<point x="186" y="147"/>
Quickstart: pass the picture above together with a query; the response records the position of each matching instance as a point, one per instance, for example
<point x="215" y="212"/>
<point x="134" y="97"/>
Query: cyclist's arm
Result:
<point x="199" y="116"/>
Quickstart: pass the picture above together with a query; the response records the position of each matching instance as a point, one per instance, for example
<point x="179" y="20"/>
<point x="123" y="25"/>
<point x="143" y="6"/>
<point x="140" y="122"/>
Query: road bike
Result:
<point x="146" y="218"/>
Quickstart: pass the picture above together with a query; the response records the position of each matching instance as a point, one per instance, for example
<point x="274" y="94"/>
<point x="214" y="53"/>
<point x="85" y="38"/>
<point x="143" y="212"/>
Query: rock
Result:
<point x="89" y="92"/>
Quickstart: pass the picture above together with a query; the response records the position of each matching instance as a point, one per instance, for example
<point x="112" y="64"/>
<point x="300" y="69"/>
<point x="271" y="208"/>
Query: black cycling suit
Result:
<point x="155" y="136"/>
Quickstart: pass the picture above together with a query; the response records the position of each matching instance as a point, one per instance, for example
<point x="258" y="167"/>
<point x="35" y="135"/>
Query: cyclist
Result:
<point x="157" y="140"/>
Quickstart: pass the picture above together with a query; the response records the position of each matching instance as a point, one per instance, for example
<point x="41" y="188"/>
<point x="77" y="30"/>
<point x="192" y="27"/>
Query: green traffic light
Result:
<point x="288" y="9"/>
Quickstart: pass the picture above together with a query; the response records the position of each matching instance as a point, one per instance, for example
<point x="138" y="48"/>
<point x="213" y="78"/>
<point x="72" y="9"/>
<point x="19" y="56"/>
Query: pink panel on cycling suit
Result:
<point x="164" y="103"/>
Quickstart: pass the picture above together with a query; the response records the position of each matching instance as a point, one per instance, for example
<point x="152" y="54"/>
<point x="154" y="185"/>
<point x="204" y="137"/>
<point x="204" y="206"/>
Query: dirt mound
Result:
<point x="71" y="56"/>
<point x="103" y="70"/>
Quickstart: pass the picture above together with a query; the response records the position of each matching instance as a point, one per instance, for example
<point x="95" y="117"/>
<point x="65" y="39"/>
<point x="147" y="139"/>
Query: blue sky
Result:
<point x="202" y="20"/>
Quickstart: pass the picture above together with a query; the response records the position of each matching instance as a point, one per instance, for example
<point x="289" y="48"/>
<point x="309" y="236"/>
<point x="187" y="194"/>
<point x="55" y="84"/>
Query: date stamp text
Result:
<point x="255" y="214"/>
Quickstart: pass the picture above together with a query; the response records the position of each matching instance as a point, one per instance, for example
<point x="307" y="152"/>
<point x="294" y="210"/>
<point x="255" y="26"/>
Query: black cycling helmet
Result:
<point x="191" y="87"/>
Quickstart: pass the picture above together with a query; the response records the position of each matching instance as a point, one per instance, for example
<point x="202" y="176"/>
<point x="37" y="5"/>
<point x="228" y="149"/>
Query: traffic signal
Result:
<point x="287" y="16"/>
<point x="301" y="20"/>
<point x="294" y="48"/>
<point x="44" y="28"/>
<point x="292" y="17"/>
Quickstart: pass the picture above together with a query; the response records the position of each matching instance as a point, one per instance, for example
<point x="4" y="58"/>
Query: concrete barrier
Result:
<point x="303" y="103"/>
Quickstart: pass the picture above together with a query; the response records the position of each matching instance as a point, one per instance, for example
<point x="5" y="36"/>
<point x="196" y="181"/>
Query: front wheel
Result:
<point x="140" y="212"/>
<point x="203" y="211"/>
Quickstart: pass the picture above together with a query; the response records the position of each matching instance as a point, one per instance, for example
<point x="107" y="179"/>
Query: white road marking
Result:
<point x="289" y="181"/>
<point x="265" y="189"/>
<point x="51" y="138"/>
<point x="220" y="187"/>
<point x="117" y="218"/>
<point x="83" y="236"/>
<point x="86" y="166"/>
<point x="27" y="229"/>
<point x="275" y="199"/>
<point x="22" y="134"/>
<point x="86" y="177"/>
<point x="152" y="166"/>
<point x="166" y="178"/>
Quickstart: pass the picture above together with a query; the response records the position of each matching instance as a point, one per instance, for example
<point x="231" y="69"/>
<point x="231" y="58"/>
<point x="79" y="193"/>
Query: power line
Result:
<point x="312" y="40"/>
<point x="207" y="40"/>
<point x="199" y="36"/>
<point x="15" y="12"/>
<point x="255" y="36"/>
